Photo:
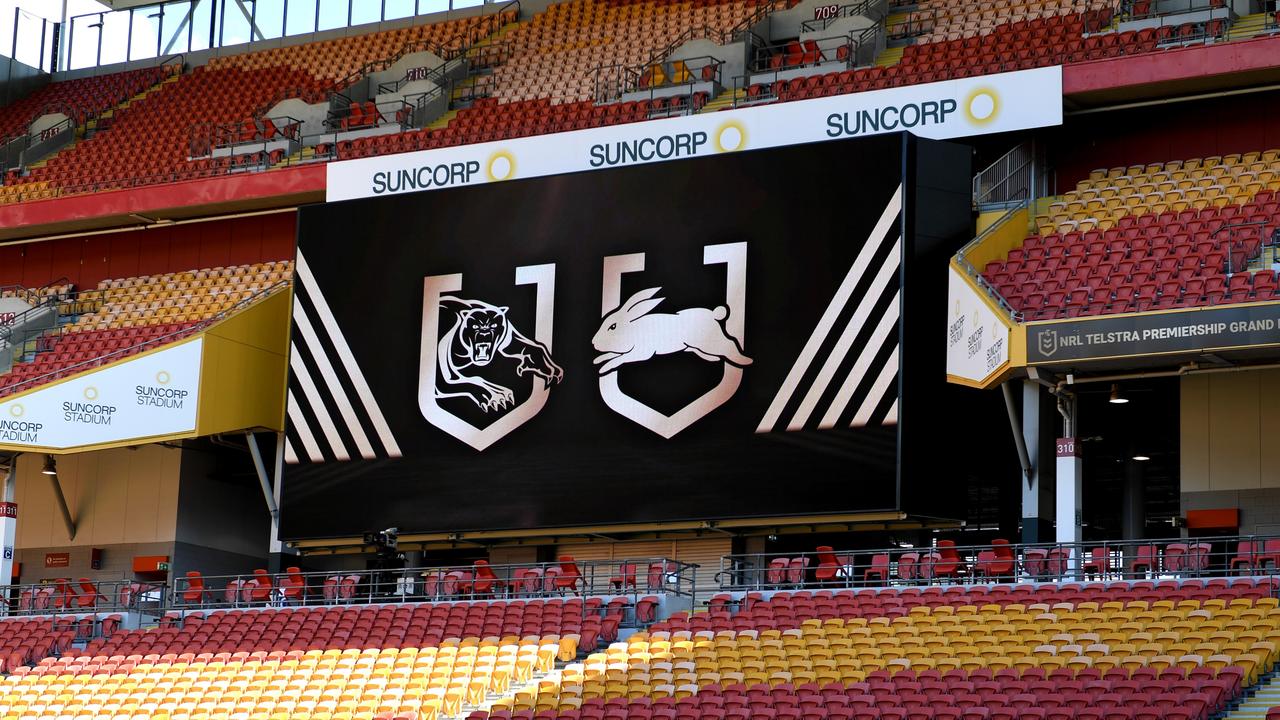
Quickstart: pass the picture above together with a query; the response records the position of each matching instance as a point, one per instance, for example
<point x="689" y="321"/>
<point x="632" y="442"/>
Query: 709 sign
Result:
<point x="825" y="12"/>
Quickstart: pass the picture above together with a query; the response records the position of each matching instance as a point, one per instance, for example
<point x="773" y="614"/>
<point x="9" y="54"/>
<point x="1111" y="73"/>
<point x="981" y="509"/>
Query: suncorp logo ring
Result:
<point x="163" y="378"/>
<point x="982" y="105"/>
<point x="91" y="393"/>
<point x="731" y="136"/>
<point x="17" y="410"/>
<point x="501" y="166"/>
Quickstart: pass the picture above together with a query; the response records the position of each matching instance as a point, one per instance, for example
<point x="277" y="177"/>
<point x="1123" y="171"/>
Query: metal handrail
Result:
<point x="634" y="577"/>
<point x="844" y="11"/>
<point x="1146" y="559"/>
<point x="1232" y="229"/>
<point x="976" y="275"/>
<point x="155" y="341"/>
<point x="69" y="595"/>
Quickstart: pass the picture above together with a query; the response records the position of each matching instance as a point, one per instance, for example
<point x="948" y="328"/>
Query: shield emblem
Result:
<point x="1048" y="342"/>
<point x="713" y="334"/>
<point x="477" y="334"/>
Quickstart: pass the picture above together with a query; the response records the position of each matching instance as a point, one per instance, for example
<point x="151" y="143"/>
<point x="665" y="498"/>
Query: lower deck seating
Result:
<point x="410" y="662"/>
<point x="1049" y="653"/>
<point x="24" y="641"/>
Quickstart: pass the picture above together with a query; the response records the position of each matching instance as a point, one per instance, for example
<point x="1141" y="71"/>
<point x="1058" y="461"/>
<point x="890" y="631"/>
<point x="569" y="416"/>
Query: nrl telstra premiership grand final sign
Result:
<point x="942" y="110"/>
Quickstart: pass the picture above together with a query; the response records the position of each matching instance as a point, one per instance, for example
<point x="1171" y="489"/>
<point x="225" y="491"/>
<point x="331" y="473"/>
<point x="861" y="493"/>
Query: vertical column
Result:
<point x="8" y="521"/>
<point x="1069" y="472"/>
<point x="1134" y="520"/>
<point x="1037" y="524"/>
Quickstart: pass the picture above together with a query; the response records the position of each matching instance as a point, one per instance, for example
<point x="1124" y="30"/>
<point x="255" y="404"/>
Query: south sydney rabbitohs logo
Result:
<point x="463" y="363"/>
<point x="631" y="332"/>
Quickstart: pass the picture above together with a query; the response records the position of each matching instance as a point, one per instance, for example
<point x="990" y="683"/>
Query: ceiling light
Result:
<point x="1116" y="397"/>
<point x="1141" y="458"/>
<point x="49" y="467"/>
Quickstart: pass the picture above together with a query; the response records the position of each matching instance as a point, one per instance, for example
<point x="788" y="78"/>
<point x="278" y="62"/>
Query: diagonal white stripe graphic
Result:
<point x="845" y="342"/>
<point x="312" y="393"/>
<point x="290" y="456"/>
<point x="304" y="430"/>
<point x="330" y="324"/>
<point x="343" y="402"/>
<point x="891" y="417"/>
<point x="859" y="371"/>
<point x="829" y="316"/>
<point x="883" y="384"/>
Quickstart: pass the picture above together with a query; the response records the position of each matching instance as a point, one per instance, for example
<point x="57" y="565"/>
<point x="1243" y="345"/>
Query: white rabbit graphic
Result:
<point x="631" y="334"/>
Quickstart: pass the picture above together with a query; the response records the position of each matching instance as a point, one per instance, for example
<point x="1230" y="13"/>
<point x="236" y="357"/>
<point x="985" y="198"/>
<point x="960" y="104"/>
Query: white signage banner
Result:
<point x="148" y="396"/>
<point x="977" y="338"/>
<point x="949" y="109"/>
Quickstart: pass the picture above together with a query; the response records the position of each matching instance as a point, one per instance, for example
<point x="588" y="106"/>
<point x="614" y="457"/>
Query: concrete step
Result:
<point x="890" y="56"/>
<point x="724" y="100"/>
<point x="440" y="122"/>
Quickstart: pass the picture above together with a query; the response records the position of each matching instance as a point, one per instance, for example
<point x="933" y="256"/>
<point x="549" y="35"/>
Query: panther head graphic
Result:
<point x="483" y="332"/>
<point x="480" y="333"/>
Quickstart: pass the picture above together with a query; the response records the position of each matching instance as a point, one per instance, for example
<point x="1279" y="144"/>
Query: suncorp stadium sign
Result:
<point x="949" y="109"/>
<point x="148" y="396"/>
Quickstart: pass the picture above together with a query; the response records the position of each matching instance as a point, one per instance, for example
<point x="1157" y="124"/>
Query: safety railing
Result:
<point x="371" y="114"/>
<point x="83" y="595"/>
<point x="1240" y="243"/>
<point x="1146" y="9"/>
<point x="209" y="137"/>
<point x="976" y="275"/>
<point x="1174" y="29"/>
<point x="860" y="8"/>
<point x="119" y="354"/>
<point x="611" y="81"/>
<point x="634" y="577"/>
<point x="1014" y="177"/>
<point x="914" y="24"/>
<point x="946" y="563"/>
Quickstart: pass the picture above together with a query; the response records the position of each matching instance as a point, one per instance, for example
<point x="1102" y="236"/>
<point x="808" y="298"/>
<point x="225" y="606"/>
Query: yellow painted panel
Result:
<point x="1234" y="436"/>
<point x="1193" y="447"/>
<point x="244" y="370"/>
<point x="997" y="245"/>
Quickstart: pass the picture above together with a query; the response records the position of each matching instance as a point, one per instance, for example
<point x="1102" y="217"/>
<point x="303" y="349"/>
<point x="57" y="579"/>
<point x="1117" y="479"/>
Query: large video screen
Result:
<point x="701" y="339"/>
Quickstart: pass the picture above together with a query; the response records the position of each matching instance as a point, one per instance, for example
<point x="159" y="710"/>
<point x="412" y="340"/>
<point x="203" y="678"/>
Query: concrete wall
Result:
<point x="785" y="24"/>
<point x="222" y="522"/>
<point x="122" y="496"/>
<point x="1229" y="455"/>
<point x="117" y="561"/>
<point x="20" y="80"/>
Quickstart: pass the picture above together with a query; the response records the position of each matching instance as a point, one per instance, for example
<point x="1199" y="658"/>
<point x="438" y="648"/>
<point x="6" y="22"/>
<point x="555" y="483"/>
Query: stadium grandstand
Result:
<point x="584" y="360"/>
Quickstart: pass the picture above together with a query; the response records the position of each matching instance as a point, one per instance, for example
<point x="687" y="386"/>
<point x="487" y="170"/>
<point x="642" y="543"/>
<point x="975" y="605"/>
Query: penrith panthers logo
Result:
<point x="481" y="332"/>
<point x="472" y="359"/>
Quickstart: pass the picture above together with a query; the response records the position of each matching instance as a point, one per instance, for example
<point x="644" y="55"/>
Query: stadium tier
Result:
<point x="82" y="99"/>
<point x="1179" y="234"/>
<point x="1055" y="650"/>
<point x="126" y="316"/>
<point x="548" y="73"/>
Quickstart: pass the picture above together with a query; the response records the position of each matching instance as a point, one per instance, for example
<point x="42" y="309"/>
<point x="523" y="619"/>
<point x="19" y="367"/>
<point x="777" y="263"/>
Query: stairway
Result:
<point x="440" y="122"/>
<point x="724" y="100"/>
<point x="515" y="689"/>
<point x="890" y="56"/>
<point x="1257" y="700"/>
<point x="91" y="126"/>
<point x="1249" y="26"/>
